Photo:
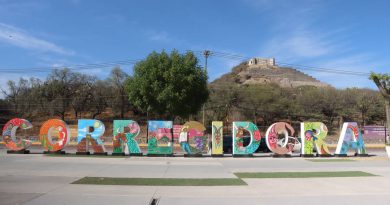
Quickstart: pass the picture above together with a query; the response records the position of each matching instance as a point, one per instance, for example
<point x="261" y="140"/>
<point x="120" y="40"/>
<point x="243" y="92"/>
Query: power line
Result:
<point x="70" y="67"/>
<point x="218" y="54"/>
<point x="241" y="58"/>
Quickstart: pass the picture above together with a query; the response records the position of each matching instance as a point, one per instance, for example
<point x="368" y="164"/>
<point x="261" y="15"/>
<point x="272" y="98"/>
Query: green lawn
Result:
<point x="302" y="174"/>
<point x="160" y="181"/>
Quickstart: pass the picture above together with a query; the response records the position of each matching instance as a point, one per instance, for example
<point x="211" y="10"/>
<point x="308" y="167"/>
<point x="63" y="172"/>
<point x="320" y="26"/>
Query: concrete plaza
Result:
<point x="36" y="179"/>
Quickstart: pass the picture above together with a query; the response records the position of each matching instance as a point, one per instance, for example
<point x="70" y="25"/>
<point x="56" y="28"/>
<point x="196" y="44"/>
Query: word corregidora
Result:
<point x="191" y="136"/>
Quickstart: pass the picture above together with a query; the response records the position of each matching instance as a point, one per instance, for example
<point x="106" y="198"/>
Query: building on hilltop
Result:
<point x="265" y="71"/>
<point x="261" y="61"/>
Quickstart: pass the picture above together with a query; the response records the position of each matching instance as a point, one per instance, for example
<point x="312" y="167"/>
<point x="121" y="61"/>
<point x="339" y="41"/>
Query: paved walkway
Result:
<point x="38" y="179"/>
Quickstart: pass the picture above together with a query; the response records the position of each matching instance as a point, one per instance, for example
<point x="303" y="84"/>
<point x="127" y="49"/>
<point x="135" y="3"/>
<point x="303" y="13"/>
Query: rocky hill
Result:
<point x="268" y="73"/>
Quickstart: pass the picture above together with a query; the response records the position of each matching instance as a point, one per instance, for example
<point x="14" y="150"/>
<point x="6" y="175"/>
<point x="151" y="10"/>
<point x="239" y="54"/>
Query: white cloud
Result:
<point x="357" y="63"/>
<point x="20" y="38"/>
<point x="304" y="42"/>
<point x="351" y="70"/>
<point x="305" y="46"/>
<point x="160" y="36"/>
<point x="293" y="31"/>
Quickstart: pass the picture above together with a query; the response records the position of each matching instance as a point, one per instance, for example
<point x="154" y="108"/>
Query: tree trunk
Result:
<point x="122" y="113"/>
<point x="16" y="107"/>
<point x="62" y="116"/>
<point x="388" y="115"/>
<point x="123" y="104"/>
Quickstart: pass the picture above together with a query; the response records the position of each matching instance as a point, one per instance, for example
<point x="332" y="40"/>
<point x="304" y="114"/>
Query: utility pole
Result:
<point x="385" y="133"/>
<point x="206" y="55"/>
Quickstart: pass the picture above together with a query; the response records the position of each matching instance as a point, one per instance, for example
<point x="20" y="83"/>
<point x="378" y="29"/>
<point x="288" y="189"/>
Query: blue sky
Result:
<point x="346" y="35"/>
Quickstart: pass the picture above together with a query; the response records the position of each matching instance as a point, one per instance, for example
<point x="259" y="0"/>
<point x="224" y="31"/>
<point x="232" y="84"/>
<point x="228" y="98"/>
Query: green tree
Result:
<point x="82" y="93"/>
<point x="4" y="109"/>
<point x="168" y="85"/>
<point x="330" y="105"/>
<point x="309" y="100"/>
<point x="99" y="98"/>
<point x="59" y="91"/>
<point x="15" y="93"/>
<point x="360" y="105"/>
<point x="264" y="101"/>
<point x="382" y="81"/>
<point x="119" y="101"/>
<point x="221" y="101"/>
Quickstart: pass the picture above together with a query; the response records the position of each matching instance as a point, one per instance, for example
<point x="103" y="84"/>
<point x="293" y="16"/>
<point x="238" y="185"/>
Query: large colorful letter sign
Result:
<point x="272" y="139"/>
<point x="46" y="138"/>
<point x="125" y="142"/>
<point x="160" y="138"/>
<point x="238" y="138"/>
<point x="192" y="138"/>
<point x="217" y="138"/>
<point x="350" y="138"/>
<point x="90" y="131"/>
<point x="313" y="135"/>
<point x="11" y="141"/>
